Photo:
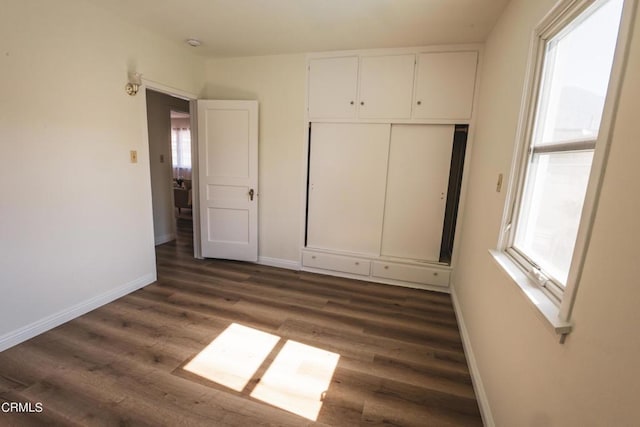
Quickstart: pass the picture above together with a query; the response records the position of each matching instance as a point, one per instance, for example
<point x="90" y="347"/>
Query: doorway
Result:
<point x="181" y="164"/>
<point x="224" y="195"/>
<point x="171" y="167"/>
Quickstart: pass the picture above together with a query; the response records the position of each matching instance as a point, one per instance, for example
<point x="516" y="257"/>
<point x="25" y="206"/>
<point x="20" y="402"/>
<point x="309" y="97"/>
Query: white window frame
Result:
<point x="554" y="304"/>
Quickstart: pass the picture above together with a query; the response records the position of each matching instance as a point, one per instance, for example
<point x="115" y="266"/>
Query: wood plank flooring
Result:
<point x="401" y="359"/>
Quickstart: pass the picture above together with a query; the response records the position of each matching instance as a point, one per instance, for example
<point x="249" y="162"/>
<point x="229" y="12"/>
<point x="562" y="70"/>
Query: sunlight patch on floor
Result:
<point x="234" y="356"/>
<point x="298" y="379"/>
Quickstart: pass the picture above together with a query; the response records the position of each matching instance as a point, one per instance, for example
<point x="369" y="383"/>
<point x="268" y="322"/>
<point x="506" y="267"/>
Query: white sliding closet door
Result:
<point x="347" y="179"/>
<point x="417" y="183"/>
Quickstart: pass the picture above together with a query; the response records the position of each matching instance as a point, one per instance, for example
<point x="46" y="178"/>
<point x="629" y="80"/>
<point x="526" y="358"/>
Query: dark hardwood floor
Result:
<point x="400" y="354"/>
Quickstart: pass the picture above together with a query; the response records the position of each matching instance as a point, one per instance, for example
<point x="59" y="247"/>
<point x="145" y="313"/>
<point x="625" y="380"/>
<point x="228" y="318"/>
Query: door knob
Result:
<point x="251" y="194"/>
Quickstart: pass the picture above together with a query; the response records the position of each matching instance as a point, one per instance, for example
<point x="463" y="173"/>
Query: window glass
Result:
<point x="576" y="75"/>
<point x="574" y="82"/>
<point x="551" y="209"/>
<point x="181" y="152"/>
<point x="185" y="148"/>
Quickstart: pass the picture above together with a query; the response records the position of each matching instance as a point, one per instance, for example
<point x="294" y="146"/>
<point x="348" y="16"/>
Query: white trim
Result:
<point x="24" y="333"/>
<point x="601" y="155"/>
<point x="160" y="240"/>
<point x="543" y="303"/>
<point x="195" y="180"/>
<point x="476" y="379"/>
<point x="399" y="121"/>
<point x="278" y="262"/>
<point x="305" y="165"/>
<point x="167" y="90"/>
<point x="145" y="151"/>
<point x="395" y="50"/>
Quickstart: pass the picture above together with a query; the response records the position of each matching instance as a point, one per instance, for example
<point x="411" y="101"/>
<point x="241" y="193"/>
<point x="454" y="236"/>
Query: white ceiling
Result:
<point x="263" y="27"/>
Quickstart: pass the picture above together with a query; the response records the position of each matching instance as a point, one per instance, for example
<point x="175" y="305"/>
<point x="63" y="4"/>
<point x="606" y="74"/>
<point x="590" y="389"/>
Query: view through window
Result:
<point x="573" y="87"/>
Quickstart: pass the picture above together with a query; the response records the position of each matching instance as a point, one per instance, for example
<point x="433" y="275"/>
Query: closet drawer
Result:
<point x="340" y="263"/>
<point x="411" y="273"/>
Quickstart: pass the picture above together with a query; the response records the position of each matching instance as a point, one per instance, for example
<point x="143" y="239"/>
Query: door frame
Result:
<point x="192" y="98"/>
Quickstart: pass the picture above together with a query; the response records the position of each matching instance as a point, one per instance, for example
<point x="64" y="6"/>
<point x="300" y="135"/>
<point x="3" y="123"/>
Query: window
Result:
<point x="181" y="153"/>
<point x="563" y="144"/>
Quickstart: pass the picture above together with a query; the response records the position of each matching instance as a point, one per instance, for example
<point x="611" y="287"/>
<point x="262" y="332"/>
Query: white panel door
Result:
<point x="417" y="185"/>
<point x="444" y="85"/>
<point x="228" y="171"/>
<point x="347" y="174"/>
<point x="386" y="86"/>
<point x="332" y="87"/>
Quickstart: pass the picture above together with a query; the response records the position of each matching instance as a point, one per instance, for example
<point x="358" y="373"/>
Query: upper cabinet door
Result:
<point x="445" y="85"/>
<point x="332" y="87"/>
<point x="386" y="86"/>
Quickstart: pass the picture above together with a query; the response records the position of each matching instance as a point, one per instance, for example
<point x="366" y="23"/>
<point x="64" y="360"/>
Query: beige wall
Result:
<point x="75" y="215"/>
<point x="159" y="108"/>
<point x="278" y="83"/>
<point x="531" y="379"/>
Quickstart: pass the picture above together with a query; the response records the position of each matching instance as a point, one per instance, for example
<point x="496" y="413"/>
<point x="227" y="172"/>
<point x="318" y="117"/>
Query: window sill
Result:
<point x="543" y="304"/>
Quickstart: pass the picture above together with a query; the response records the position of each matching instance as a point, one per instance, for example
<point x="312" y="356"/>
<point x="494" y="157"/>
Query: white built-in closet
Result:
<point x="384" y="162"/>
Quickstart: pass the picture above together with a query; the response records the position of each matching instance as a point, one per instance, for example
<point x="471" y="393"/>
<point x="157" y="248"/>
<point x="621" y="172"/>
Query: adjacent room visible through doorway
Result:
<point x="170" y="155"/>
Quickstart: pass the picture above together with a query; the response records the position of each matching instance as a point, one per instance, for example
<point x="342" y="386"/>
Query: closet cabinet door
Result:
<point x="332" y="87"/>
<point x="386" y="86"/>
<point x="417" y="184"/>
<point x="444" y="85"/>
<point x="347" y="178"/>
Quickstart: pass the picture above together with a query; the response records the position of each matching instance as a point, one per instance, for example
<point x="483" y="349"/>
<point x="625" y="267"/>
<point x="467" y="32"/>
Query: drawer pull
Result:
<point x="435" y="274"/>
<point x="313" y="257"/>
<point x="357" y="263"/>
<point x="386" y="267"/>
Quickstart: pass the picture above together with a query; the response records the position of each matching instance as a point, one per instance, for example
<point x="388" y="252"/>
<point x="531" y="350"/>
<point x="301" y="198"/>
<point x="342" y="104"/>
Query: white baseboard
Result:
<point x="36" y="328"/>
<point x="478" y="386"/>
<point x="160" y="240"/>
<point x="280" y="263"/>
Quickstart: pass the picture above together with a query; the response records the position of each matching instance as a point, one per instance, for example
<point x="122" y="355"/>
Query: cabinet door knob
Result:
<point x="419" y="102"/>
<point x="313" y="257"/>
<point x="386" y="267"/>
<point x="357" y="263"/>
<point x="352" y="103"/>
<point x="361" y="102"/>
